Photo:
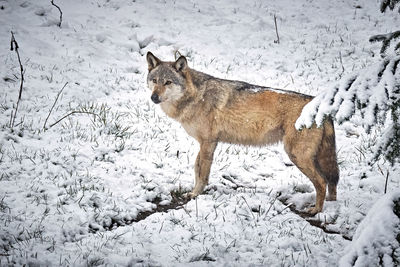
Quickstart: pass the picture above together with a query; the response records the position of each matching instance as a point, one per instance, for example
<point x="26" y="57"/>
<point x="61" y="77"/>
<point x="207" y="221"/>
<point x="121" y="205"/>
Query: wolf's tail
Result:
<point x="326" y="158"/>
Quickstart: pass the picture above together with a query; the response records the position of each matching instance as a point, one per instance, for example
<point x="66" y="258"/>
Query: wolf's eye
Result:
<point x="154" y="80"/>
<point x="167" y="82"/>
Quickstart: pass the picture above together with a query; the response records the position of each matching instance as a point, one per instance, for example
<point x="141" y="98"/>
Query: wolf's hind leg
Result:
<point x="202" y="167"/>
<point x="302" y="154"/>
<point x="320" y="188"/>
<point x="307" y="166"/>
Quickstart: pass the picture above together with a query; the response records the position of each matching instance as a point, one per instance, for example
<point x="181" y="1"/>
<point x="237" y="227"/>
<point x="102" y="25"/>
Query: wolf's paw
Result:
<point x="312" y="211"/>
<point x="191" y="195"/>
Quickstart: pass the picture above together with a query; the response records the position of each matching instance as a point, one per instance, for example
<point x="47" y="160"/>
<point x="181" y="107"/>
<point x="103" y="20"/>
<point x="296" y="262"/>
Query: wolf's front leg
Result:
<point x="202" y="167"/>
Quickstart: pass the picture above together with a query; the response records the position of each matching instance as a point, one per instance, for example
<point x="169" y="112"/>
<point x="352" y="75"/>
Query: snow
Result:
<point x="373" y="89"/>
<point x="71" y="194"/>
<point x="371" y="93"/>
<point x="376" y="241"/>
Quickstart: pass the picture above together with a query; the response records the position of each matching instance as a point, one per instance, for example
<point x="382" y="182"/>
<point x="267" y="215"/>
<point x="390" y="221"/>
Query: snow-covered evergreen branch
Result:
<point x="388" y="4"/>
<point x="374" y="91"/>
<point x="371" y="90"/>
<point x="386" y="39"/>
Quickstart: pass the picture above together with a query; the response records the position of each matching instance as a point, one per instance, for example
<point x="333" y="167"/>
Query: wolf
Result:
<point x="214" y="110"/>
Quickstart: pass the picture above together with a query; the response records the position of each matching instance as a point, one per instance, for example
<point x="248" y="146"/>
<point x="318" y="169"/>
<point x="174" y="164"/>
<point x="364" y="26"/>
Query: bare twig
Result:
<point x="177" y="54"/>
<point x="162" y="224"/>
<point x="386" y="178"/>
<point x="14" y="45"/>
<point x="55" y="101"/>
<point x="72" y="113"/>
<point x="276" y="30"/>
<point x="59" y="9"/>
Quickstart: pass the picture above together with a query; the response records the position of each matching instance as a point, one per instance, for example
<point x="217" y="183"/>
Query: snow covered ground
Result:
<point x="79" y="191"/>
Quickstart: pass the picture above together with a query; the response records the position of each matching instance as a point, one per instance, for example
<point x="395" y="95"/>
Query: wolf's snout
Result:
<point x="155" y="98"/>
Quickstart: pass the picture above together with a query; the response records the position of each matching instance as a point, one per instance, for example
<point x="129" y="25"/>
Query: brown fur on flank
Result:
<point x="214" y="110"/>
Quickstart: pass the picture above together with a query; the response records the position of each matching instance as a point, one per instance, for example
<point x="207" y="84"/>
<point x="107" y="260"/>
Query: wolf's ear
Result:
<point x="181" y="63"/>
<point x="152" y="60"/>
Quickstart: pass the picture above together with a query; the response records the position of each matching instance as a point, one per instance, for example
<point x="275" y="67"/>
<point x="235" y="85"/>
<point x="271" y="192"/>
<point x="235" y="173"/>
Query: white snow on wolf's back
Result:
<point x="259" y="89"/>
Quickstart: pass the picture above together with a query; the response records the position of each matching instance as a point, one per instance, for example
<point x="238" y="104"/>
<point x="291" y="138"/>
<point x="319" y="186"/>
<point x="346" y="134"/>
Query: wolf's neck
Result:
<point x="180" y="110"/>
<point x="169" y="109"/>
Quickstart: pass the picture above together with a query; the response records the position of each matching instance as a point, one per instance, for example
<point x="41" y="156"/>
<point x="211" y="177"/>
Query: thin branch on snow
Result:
<point x="72" y="113"/>
<point x="14" y="46"/>
<point x="276" y="30"/>
<point x="61" y="14"/>
<point x="177" y="54"/>
<point x="386" y="177"/>
<point x="55" y="101"/>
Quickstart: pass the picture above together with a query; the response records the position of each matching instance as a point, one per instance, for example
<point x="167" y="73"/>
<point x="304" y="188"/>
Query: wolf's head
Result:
<point x="166" y="80"/>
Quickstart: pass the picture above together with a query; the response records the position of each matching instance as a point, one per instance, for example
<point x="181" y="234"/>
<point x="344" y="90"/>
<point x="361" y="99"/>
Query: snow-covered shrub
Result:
<point x="388" y="4"/>
<point x="377" y="239"/>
